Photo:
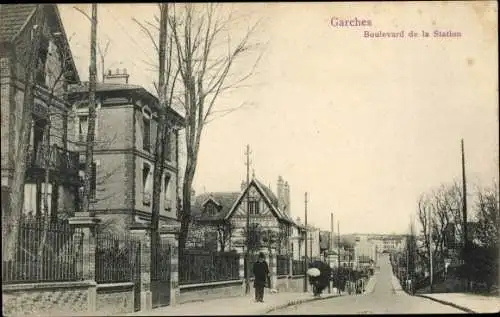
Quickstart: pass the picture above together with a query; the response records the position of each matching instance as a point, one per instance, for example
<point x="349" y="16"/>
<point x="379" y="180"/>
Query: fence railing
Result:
<point x="41" y="253"/>
<point x="299" y="267"/>
<point x="252" y="259"/>
<point x="198" y="266"/>
<point x="283" y="264"/>
<point x="59" y="158"/>
<point x="115" y="258"/>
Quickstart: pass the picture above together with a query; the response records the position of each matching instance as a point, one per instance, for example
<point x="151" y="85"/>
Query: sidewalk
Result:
<point x="467" y="302"/>
<point x="370" y="285"/>
<point x="398" y="290"/>
<point x="242" y="305"/>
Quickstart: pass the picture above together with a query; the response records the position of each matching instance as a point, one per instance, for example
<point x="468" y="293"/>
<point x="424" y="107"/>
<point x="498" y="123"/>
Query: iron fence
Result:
<point x="199" y="266"/>
<point x="283" y="264"/>
<point x="37" y="252"/>
<point x="299" y="267"/>
<point x="252" y="258"/>
<point x="115" y="258"/>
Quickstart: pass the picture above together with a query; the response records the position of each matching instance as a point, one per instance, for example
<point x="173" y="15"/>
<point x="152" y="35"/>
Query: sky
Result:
<point x="363" y="125"/>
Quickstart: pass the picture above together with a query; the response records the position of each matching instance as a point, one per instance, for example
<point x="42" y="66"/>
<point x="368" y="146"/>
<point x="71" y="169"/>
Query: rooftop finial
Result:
<point x="253" y="173"/>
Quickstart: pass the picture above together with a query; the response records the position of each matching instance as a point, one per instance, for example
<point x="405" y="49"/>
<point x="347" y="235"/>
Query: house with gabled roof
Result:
<point x="212" y="212"/>
<point x="54" y="71"/>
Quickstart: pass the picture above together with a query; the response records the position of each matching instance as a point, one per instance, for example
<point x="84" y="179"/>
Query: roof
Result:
<point x="225" y="200"/>
<point x="270" y="197"/>
<point x="100" y="87"/>
<point x="116" y="87"/>
<point x="13" y="17"/>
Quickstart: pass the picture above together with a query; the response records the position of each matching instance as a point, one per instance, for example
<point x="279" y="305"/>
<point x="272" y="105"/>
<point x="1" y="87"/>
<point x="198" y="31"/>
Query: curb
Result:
<point x="462" y="308"/>
<point x="297" y="302"/>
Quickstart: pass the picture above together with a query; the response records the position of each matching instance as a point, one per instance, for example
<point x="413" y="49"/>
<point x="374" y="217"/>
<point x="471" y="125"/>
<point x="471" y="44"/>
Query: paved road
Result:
<point x="383" y="300"/>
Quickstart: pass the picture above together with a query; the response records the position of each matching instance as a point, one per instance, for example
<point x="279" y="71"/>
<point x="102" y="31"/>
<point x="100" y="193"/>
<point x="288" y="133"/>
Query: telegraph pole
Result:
<point x="464" y="215"/>
<point x="431" y="276"/>
<point x="331" y="247"/>
<point x="247" y="262"/>
<point x="305" y="257"/>
<point x="89" y="153"/>
<point x="338" y="255"/>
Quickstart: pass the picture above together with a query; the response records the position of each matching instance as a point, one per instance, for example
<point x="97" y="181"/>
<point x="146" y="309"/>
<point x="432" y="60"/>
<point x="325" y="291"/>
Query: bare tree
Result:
<point x="205" y="73"/>
<point x="438" y="211"/>
<point x="21" y="137"/>
<point x="488" y="216"/>
<point x="224" y="234"/>
<point x="102" y="55"/>
<point x="167" y="74"/>
<point x="56" y="73"/>
<point x="424" y="204"/>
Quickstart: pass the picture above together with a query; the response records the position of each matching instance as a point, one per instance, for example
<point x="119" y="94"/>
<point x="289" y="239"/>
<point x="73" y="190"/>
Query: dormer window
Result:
<point x="211" y="209"/>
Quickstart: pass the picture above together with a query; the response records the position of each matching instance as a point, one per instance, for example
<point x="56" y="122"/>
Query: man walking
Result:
<point x="261" y="274"/>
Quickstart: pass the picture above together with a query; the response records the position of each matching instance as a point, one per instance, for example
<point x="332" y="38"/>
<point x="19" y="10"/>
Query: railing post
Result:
<point x="274" y="269"/>
<point x="87" y="227"/>
<point x="242" y="273"/>
<point x="142" y="232"/>
<point x="290" y="273"/>
<point x="170" y="233"/>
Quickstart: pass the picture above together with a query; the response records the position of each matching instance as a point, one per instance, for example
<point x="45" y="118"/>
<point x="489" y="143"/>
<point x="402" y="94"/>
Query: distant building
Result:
<point x="271" y="213"/>
<point x="387" y="243"/>
<point x="342" y="257"/>
<point x="365" y="253"/>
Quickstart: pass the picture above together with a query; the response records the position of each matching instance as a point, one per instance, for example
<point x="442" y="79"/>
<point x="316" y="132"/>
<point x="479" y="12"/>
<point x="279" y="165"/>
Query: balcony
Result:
<point x="61" y="160"/>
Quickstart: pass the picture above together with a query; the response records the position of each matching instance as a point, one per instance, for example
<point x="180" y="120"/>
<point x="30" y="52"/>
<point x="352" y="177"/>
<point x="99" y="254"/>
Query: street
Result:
<point x="383" y="300"/>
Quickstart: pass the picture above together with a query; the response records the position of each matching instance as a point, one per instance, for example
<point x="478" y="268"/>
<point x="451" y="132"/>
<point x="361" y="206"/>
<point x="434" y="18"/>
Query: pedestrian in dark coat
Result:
<point x="261" y="274"/>
<point x="319" y="283"/>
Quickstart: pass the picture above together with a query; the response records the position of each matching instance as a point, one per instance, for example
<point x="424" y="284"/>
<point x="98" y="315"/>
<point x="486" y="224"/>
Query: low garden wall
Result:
<point x="115" y="298"/>
<point x="207" y="291"/>
<point x="45" y="299"/>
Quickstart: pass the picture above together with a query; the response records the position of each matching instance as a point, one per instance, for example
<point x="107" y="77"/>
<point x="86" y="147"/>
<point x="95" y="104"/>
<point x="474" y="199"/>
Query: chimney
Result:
<point x="281" y="193"/>
<point x="118" y="77"/>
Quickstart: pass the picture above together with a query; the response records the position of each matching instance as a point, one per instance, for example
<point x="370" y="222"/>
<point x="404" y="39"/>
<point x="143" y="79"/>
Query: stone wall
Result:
<point x="117" y="298"/>
<point x="45" y="299"/>
<point x="207" y="291"/>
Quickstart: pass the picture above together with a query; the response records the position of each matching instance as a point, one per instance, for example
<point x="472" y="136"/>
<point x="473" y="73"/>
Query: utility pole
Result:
<point x="306" y="232"/>
<point x="338" y="255"/>
<point x="431" y="275"/>
<point x="247" y="266"/>
<point x="464" y="215"/>
<point x="89" y="153"/>
<point x="331" y="247"/>
<point x="332" y="235"/>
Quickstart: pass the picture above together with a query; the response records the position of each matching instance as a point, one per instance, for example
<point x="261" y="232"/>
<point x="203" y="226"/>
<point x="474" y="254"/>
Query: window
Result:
<point x="210" y="209"/>
<point x="168" y="146"/>
<point x="253" y="207"/>
<point x="42" y="60"/>
<point x="146" y="134"/>
<point x="83" y="125"/>
<point x="146" y="184"/>
<point x="167" y="202"/>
